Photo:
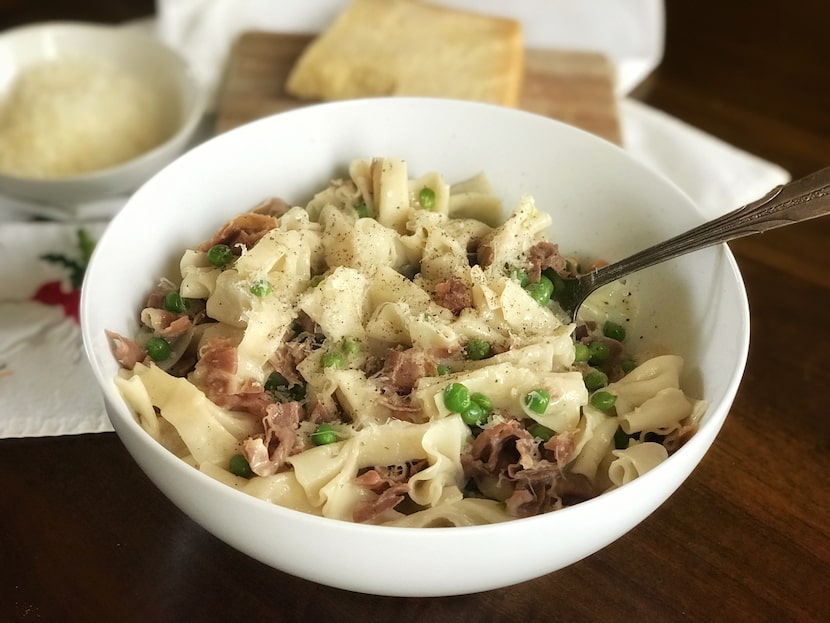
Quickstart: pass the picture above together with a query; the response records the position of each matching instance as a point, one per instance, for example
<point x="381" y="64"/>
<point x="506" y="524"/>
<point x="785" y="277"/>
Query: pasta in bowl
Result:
<point x="386" y="355"/>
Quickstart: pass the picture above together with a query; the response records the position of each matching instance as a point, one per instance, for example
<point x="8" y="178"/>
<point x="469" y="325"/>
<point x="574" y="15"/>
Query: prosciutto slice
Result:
<point x="267" y="453"/>
<point x="215" y="375"/>
<point x="390" y="483"/>
<point x="166" y="324"/>
<point x="244" y="230"/>
<point x="453" y="294"/>
<point x="126" y="351"/>
<point x="544" y="255"/>
<point x="508" y="454"/>
<point x="403" y="368"/>
<point x="391" y="492"/>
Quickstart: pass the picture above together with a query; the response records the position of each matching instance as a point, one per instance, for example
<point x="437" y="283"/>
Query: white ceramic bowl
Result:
<point x="133" y="51"/>
<point x="601" y="200"/>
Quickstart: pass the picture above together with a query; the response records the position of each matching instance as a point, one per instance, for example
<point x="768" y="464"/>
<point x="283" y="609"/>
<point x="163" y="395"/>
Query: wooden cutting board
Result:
<point x="574" y="87"/>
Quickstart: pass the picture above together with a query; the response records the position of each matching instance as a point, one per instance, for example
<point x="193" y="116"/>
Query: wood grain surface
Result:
<point x="84" y="535"/>
<point x="572" y="86"/>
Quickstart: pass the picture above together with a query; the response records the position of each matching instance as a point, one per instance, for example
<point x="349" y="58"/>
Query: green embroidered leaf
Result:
<point x="86" y="244"/>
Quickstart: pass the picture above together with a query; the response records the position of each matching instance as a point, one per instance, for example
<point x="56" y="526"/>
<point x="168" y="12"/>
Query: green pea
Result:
<point x="482" y="401"/>
<point x="276" y="382"/>
<point x="628" y="365"/>
<point x="564" y="290"/>
<point x="350" y="346"/>
<point x="614" y="330"/>
<point x="603" y="400"/>
<point x="595" y="380"/>
<point x="297" y="391"/>
<point x="324" y="435"/>
<point x="362" y="210"/>
<point x="443" y="369"/>
<point x="581" y="353"/>
<point x="540" y="431"/>
<point x="540" y="291"/>
<point x="331" y="360"/>
<point x="220" y="255"/>
<point x="173" y="302"/>
<point x="158" y="348"/>
<point x="599" y="353"/>
<point x="473" y="415"/>
<point x="537" y="400"/>
<point x="457" y="397"/>
<point x="520" y="275"/>
<point x="261" y="287"/>
<point x="620" y="439"/>
<point x="477" y="349"/>
<point x="239" y="466"/>
<point x="427" y="198"/>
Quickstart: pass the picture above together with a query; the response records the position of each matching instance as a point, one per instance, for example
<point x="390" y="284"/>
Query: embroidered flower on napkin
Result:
<point x="46" y="385"/>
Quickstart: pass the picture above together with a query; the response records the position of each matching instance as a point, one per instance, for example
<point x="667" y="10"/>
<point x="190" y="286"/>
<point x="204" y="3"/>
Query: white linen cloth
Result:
<point x="46" y="387"/>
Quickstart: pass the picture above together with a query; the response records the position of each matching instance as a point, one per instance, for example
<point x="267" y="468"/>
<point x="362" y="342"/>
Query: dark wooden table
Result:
<point x="84" y="536"/>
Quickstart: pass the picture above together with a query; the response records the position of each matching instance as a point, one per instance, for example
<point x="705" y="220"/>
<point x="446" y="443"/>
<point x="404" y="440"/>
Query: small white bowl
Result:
<point x="138" y="54"/>
<point x="601" y="201"/>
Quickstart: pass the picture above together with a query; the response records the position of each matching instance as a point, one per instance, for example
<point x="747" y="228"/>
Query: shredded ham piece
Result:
<point x="389" y="491"/>
<point x="215" y="375"/>
<point x="544" y="255"/>
<point x="496" y="448"/>
<point x="306" y="325"/>
<point x="267" y="453"/>
<point x="245" y="230"/>
<point x="506" y="452"/>
<point x="178" y="326"/>
<point x="324" y="411"/>
<point x="402" y="368"/>
<point x="288" y="356"/>
<point x="401" y="407"/>
<point x="126" y="351"/>
<point x="390" y="483"/>
<point x="215" y="372"/>
<point x="545" y="488"/>
<point x="485" y="252"/>
<point x="562" y="448"/>
<point x="256" y="453"/>
<point x="166" y="324"/>
<point x="453" y="294"/>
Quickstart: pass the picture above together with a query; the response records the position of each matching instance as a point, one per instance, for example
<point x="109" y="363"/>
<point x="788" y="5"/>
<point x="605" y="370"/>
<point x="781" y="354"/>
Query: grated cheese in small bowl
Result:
<point x="75" y="115"/>
<point x="90" y="111"/>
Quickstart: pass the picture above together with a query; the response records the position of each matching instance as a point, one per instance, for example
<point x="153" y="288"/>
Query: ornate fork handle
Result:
<point x="803" y="199"/>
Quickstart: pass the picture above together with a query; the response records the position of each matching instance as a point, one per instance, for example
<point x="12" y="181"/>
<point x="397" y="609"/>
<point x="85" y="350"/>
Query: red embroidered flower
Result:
<point x="54" y="292"/>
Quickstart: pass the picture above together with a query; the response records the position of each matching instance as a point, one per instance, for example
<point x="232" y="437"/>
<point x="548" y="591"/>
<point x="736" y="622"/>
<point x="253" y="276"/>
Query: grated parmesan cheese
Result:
<point x="71" y="116"/>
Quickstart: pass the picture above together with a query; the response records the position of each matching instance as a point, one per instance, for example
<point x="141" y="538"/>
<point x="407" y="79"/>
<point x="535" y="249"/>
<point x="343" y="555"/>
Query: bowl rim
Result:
<point x="190" y="86"/>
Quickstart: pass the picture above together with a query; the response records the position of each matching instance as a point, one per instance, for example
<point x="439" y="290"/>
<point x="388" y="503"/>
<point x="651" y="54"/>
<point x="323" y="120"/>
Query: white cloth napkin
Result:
<point x="717" y="176"/>
<point x="46" y="387"/>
